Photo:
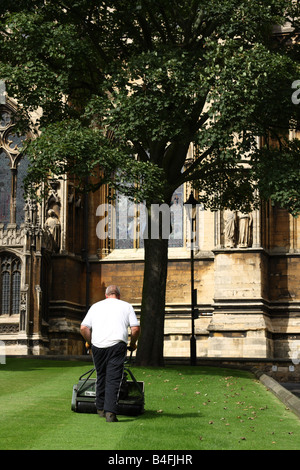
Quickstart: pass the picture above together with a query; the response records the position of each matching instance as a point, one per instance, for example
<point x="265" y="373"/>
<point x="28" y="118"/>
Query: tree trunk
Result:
<point x="151" y="342"/>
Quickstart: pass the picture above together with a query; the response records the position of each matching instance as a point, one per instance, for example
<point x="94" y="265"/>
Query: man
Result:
<point x="105" y="328"/>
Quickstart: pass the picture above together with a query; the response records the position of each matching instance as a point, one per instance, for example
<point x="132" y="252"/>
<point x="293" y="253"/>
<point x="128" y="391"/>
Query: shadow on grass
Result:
<point x="153" y="414"/>
<point x="36" y="363"/>
<point x="30" y="364"/>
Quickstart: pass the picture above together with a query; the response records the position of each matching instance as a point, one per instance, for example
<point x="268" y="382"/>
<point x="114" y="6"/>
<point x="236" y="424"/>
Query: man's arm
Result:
<point x="86" y="333"/>
<point x="135" y="333"/>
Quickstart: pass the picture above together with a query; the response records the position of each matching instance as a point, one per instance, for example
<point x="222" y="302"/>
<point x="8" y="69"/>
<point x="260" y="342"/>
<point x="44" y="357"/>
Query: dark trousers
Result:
<point x="109" y="365"/>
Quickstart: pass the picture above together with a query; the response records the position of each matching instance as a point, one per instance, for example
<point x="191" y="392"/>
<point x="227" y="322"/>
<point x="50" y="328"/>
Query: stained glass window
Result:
<point x="131" y="222"/>
<point x="176" y="237"/>
<point x="20" y="201"/>
<point x="10" y="282"/>
<point x="5" y="188"/>
<point x="11" y="181"/>
<point x="124" y="222"/>
<point x="5" y="119"/>
<point x="5" y="292"/>
<point x="16" y="282"/>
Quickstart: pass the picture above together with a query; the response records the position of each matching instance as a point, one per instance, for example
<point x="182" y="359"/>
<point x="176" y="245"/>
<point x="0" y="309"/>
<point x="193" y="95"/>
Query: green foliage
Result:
<point x="158" y="76"/>
<point x="279" y="173"/>
<point x="63" y="149"/>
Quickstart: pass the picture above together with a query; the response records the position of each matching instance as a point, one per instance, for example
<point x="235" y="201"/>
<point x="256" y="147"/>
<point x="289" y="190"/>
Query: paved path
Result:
<point x="293" y="387"/>
<point x="287" y="392"/>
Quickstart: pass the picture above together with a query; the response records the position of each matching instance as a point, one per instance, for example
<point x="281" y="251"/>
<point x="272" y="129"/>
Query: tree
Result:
<point x="159" y="76"/>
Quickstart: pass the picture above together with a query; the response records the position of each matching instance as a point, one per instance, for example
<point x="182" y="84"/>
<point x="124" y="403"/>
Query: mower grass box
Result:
<point x="130" y="401"/>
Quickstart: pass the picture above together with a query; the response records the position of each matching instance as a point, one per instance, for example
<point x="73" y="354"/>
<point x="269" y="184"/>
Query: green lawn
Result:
<point x="187" y="408"/>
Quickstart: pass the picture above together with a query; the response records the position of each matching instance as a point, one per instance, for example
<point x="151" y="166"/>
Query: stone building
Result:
<point x="55" y="263"/>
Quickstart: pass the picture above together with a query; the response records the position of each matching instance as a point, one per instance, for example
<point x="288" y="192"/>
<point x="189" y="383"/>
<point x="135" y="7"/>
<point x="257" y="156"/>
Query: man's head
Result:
<point x="112" y="291"/>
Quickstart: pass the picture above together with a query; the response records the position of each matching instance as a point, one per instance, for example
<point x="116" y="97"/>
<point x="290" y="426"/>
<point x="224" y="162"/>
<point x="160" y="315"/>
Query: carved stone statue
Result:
<point x="52" y="224"/>
<point x="31" y="217"/>
<point x="230" y="229"/>
<point x="245" y="230"/>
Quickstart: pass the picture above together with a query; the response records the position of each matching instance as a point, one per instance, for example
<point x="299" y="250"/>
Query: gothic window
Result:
<point x="5" y="188"/>
<point x="130" y="218"/>
<point x="20" y="201"/>
<point x="177" y="218"/>
<point x="10" y="284"/>
<point x="13" y="168"/>
<point x="131" y="221"/>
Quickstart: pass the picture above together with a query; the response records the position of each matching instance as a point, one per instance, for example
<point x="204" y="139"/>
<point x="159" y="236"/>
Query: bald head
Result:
<point x="112" y="291"/>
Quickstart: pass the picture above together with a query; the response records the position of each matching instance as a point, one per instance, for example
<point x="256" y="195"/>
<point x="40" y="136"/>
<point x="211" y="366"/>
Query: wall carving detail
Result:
<point x="9" y="328"/>
<point x="12" y="235"/>
<point x="238" y="229"/>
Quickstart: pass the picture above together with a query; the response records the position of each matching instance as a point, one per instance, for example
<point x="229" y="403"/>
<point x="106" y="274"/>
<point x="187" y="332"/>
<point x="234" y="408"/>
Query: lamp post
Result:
<point x="192" y="202"/>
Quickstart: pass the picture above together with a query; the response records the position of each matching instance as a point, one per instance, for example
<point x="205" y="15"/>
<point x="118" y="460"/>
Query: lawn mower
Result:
<point x="131" y="395"/>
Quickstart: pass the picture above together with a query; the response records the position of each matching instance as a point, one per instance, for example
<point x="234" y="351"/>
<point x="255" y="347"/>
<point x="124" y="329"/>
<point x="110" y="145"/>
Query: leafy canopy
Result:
<point x="157" y="76"/>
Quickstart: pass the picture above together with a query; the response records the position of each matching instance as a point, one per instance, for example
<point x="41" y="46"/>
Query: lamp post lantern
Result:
<point x="192" y="203"/>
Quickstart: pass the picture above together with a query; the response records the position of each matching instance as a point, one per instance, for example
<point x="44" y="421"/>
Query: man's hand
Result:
<point x="135" y="333"/>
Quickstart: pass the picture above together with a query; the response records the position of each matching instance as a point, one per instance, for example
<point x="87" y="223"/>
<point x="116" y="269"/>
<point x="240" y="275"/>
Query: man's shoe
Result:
<point x="111" y="418"/>
<point x="101" y="413"/>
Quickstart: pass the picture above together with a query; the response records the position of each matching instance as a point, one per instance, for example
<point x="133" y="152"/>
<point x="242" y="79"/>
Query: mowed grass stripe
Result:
<point x="187" y="408"/>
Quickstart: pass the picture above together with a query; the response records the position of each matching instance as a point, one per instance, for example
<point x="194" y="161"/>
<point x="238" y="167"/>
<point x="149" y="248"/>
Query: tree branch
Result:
<point x="156" y="24"/>
<point x="89" y="29"/>
<point x="146" y="31"/>
<point x="140" y="151"/>
<point x="167" y="26"/>
<point x="186" y="174"/>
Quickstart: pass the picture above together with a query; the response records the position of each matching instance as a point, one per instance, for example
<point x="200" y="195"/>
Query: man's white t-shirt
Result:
<point x="109" y="320"/>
